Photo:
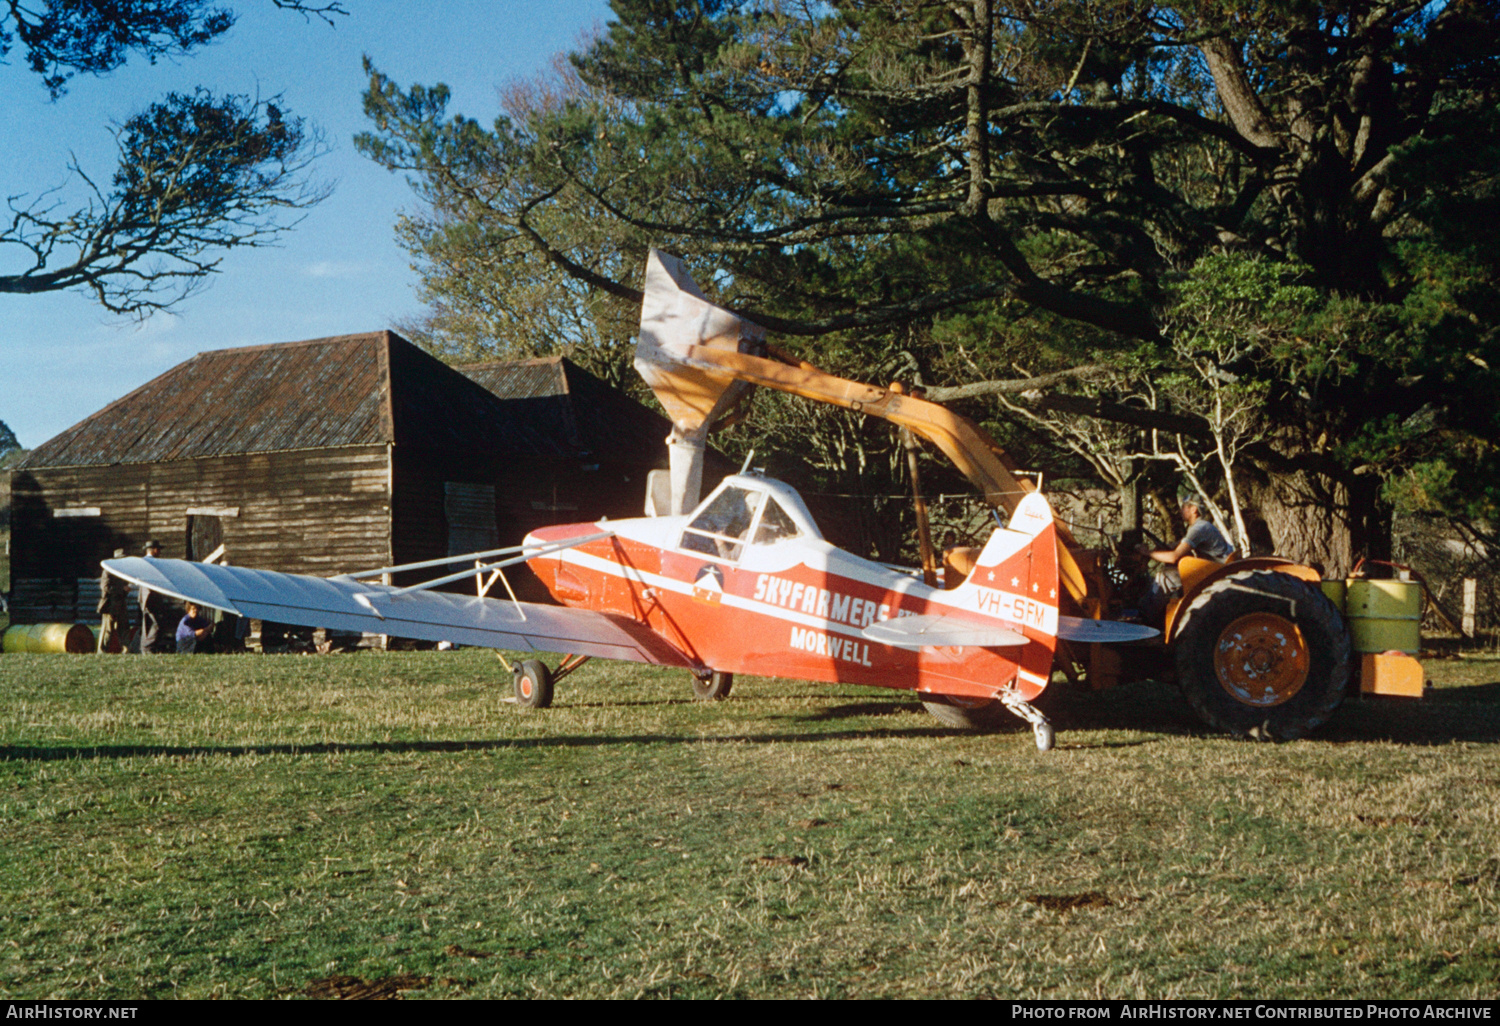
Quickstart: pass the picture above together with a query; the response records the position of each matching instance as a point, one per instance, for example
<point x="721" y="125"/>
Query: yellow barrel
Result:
<point x="49" y="637"/>
<point x="1334" y="591"/>
<point x="1385" y="616"/>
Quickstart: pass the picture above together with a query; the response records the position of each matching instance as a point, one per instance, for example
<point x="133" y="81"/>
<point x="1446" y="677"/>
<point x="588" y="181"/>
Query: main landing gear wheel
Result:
<point x="966" y="713"/>
<point x="714" y="687"/>
<point x="533" y="682"/>
<point x="988" y="713"/>
<point x="1263" y="654"/>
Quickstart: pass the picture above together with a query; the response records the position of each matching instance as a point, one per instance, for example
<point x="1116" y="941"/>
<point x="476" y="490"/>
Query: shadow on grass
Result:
<point x="1466" y="694"/>
<point x="1443" y="716"/>
<point x="19" y="753"/>
<point x="851" y="710"/>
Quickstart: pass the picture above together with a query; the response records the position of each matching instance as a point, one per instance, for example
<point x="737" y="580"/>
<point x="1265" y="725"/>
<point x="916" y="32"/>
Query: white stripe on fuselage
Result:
<point x="779" y="598"/>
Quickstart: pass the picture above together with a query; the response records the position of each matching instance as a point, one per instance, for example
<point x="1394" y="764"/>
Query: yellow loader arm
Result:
<point x="699" y="358"/>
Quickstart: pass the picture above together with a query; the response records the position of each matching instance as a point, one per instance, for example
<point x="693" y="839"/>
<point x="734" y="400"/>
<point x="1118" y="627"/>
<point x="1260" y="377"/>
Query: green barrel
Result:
<point x="1385" y="616"/>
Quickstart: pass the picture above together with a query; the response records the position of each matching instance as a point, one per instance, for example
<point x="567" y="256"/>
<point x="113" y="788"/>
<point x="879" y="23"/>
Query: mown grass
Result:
<point x="280" y="826"/>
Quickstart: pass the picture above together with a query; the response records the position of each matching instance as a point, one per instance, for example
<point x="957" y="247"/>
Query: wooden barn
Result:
<point x="323" y="457"/>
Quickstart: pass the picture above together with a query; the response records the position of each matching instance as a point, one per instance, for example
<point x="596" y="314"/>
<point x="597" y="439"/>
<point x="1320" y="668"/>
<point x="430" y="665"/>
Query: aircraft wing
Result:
<point x="940" y="631"/>
<point x="1102" y="632"/>
<point x="343" y="604"/>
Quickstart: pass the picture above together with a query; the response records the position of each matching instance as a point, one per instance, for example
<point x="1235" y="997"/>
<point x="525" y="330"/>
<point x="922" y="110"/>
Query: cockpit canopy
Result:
<point x="745" y="509"/>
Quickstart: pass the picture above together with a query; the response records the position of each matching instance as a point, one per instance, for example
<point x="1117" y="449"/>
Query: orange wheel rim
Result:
<point x="1261" y="659"/>
<point x="525" y="687"/>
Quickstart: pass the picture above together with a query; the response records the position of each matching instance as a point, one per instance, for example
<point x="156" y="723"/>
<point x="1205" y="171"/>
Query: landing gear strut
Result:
<point x="1040" y="725"/>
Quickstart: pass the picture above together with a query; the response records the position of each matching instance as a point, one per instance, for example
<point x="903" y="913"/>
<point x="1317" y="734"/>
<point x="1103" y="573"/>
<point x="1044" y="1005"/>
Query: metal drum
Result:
<point x="49" y="637"/>
<point x="1385" y="616"/>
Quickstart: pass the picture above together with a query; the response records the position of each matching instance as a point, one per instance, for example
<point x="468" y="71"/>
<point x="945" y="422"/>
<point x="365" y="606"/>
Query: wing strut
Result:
<point x="367" y="599"/>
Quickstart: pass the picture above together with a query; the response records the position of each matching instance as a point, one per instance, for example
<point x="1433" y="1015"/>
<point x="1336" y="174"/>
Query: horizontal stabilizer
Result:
<point x="914" y="632"/>
<point x="341" y="603"/>
<point x="1102" y="632"/>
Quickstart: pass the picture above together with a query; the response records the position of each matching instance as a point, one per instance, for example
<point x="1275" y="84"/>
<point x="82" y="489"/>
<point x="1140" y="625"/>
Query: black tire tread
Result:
<point x="541" y="685"/>
<point x="1322" y="627"/>
<point x="713" y="688"/>
<point x="964" y="717"/>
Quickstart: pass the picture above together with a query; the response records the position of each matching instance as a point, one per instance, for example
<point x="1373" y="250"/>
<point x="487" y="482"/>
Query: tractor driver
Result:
<point x="1202" y="539"/>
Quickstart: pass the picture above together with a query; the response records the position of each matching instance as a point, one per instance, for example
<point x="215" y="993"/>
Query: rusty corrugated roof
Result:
<point x="363" y="389"/>
<point x="295" y="395"/>
<point x="522" y="379"/>
<point x="558" y="408"/>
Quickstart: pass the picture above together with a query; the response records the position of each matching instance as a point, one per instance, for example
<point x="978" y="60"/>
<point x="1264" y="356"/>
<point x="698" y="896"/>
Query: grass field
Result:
<point x="384" y="824"/>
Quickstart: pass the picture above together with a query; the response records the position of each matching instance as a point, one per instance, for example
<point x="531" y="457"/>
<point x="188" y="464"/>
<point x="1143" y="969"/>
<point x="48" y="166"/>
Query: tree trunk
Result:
<point x="1130" y="502"/>
<point x="1313" y="519"/>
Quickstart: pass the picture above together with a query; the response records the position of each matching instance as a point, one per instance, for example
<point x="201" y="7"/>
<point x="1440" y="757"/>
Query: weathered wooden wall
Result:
<point x="315" y="511"/>
<point x="4" y="532"/>
<point x="529" y="493"/>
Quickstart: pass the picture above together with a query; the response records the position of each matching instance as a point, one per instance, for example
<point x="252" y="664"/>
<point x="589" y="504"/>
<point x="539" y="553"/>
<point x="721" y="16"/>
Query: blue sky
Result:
<point x="62" y="356"/>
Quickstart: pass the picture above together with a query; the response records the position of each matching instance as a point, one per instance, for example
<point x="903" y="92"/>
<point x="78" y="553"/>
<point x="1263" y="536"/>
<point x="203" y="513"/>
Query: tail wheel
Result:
<point x="714" y="687"/>
<point x="1263" y="654"/>
<point x="967" y="713"/>
<point x="533" y="682"/>
<point x="1046" y="736"/>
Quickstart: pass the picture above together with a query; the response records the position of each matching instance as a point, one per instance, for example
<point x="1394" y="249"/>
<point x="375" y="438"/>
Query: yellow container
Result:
<point x="1334" y="592"/>
<point x="1385" y="673"/>
<point x="49" y="637"/>
<point x="1384" y="616"/>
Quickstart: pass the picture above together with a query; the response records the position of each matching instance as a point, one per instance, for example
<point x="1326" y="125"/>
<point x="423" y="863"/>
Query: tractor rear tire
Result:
<point x="533" y="683"/>
<point x="1262" y="654"/>
<point x="713" y="688"/>
<point x="968" y="713"/>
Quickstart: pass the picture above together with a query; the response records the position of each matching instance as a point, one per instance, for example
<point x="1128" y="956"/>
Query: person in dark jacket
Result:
<point x="114" y="615"/>
<point x="153" y="611"/>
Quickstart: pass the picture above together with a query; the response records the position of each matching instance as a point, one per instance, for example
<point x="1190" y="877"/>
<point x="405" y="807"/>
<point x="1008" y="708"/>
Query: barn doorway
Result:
<point x="470" y="510"/>
<point x="205" y="534"/>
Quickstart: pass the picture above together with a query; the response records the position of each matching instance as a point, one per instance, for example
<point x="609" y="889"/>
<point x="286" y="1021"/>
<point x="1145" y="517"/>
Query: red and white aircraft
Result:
<point x="744" y="583"/>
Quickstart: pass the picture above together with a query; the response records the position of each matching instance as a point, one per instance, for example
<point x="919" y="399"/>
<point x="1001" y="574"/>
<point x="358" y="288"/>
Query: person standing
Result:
<point x="114" y="616"/>
<point x="153" y="610"/>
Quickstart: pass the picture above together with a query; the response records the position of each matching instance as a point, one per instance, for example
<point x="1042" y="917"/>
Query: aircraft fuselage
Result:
<point x="798" y="606"/>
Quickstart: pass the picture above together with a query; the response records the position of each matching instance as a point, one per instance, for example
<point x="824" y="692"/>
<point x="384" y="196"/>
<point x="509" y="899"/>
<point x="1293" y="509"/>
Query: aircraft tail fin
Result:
<point x="1015" y="581"/>
<point x="1031" y="521"/>
<point x="1015" y="577"/>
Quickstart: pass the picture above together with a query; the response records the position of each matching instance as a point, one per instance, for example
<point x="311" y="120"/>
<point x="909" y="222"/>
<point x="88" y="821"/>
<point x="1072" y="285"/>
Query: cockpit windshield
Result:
<point x="776" y="524"/>
<point x="747" y="510"/>
<point x="721" y="527"/>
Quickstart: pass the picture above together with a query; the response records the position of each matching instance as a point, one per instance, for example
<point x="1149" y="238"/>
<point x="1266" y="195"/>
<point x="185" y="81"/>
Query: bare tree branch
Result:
<point x="198" y="175"/>
<point x="323" y="12"/>
<point x="1120" y="413"/>
<point x="1016" y="385"/>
